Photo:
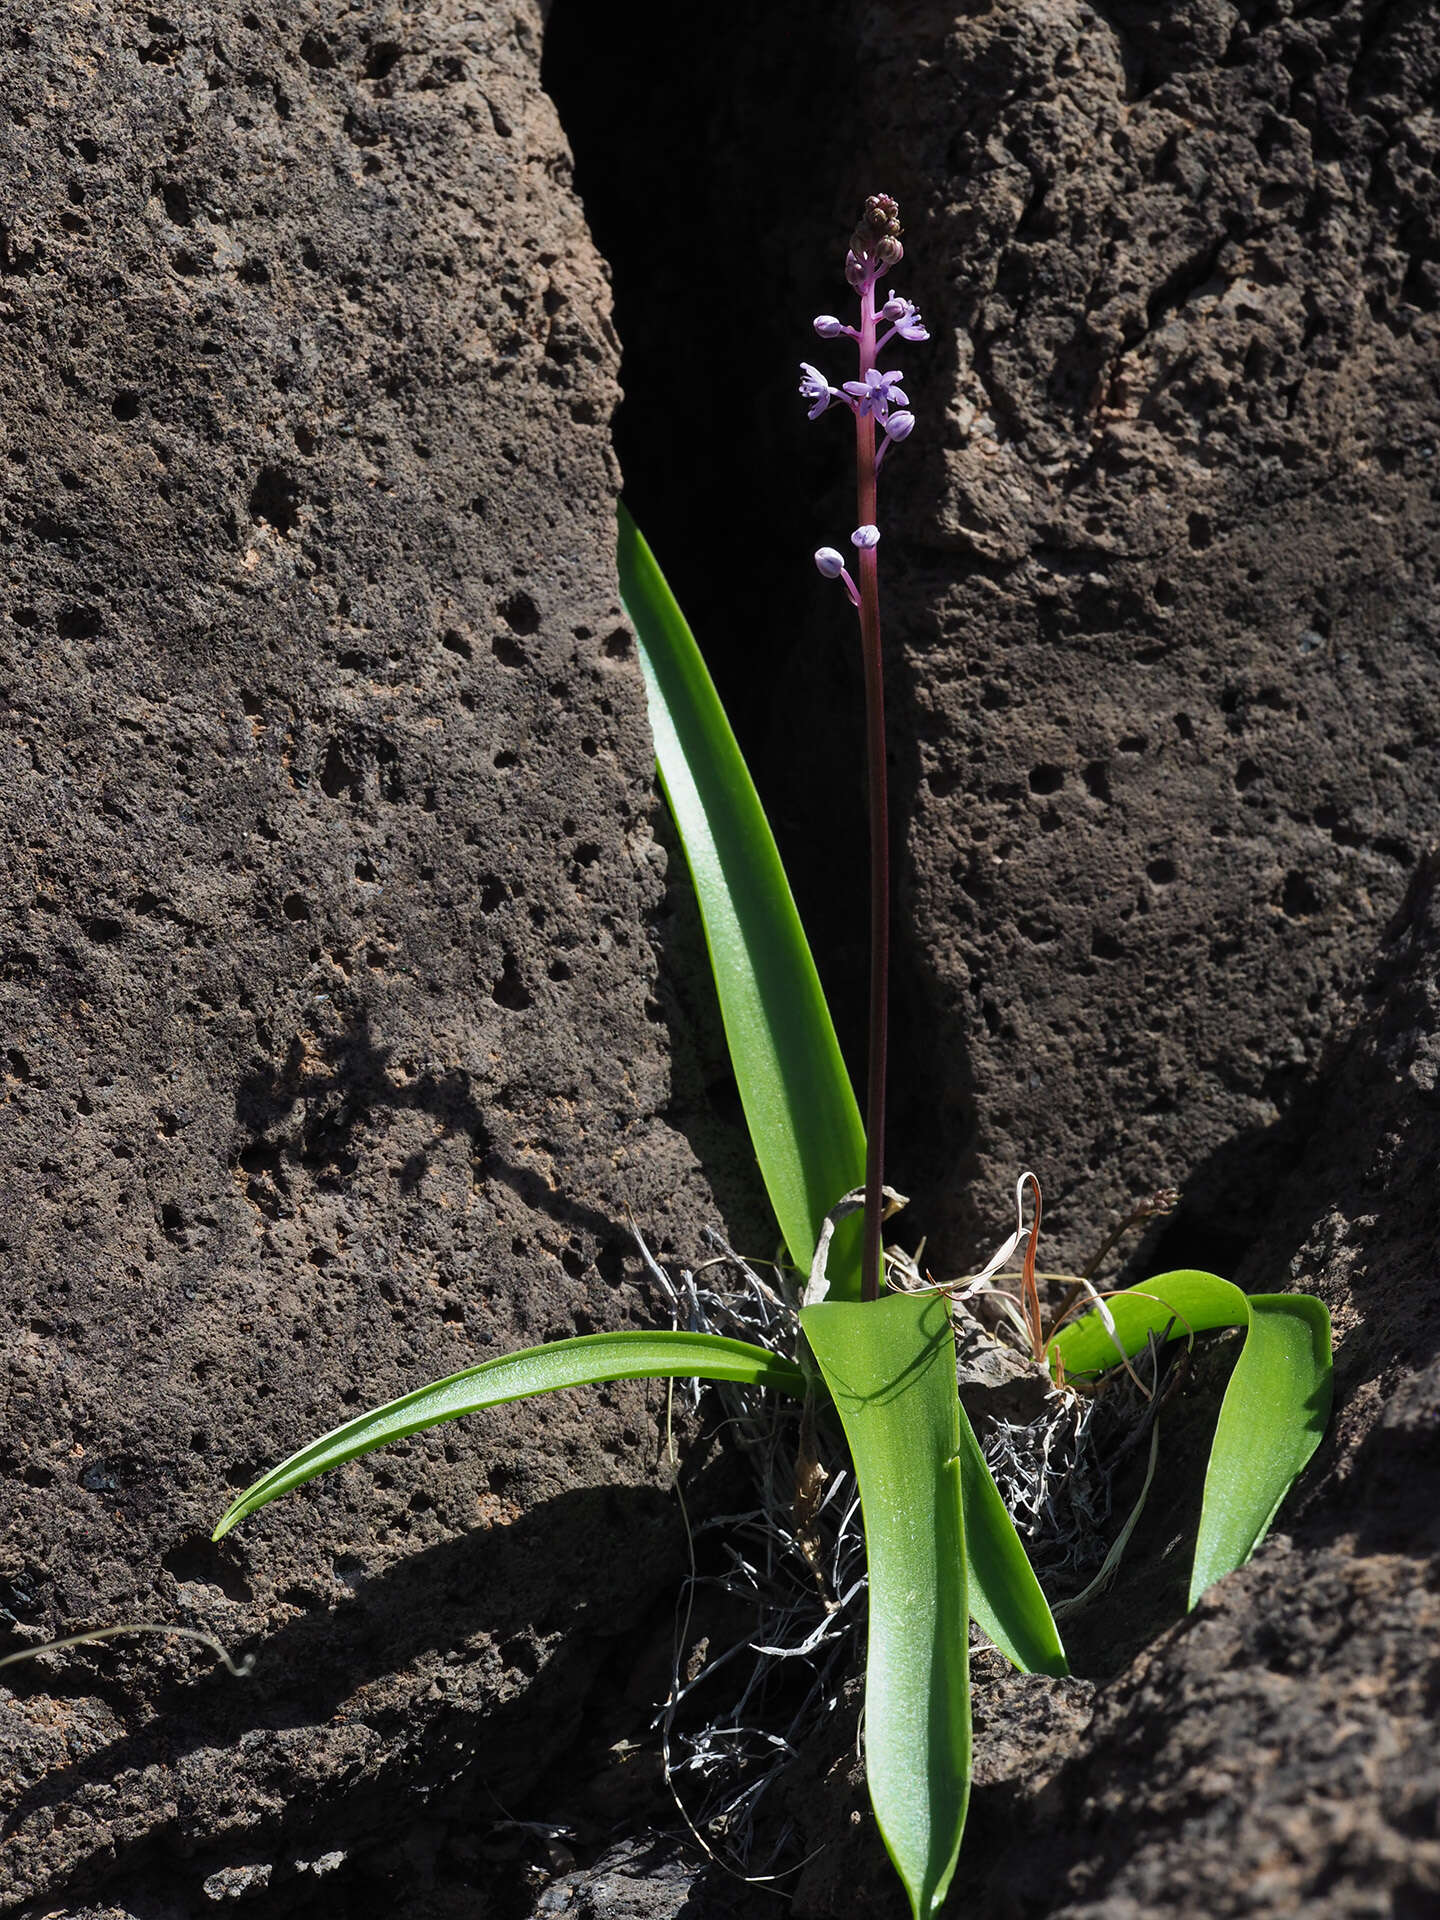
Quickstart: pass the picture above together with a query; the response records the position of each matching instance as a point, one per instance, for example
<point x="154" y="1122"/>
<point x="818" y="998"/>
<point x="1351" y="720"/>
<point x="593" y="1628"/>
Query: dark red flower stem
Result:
<point x="871" y="1275"/>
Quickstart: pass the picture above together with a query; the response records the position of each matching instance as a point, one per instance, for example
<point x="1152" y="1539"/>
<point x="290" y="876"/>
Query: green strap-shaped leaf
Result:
<point x="1275" y="1406"/>
<point x="1271" y="1420"/>
<point x="1006" y="1601"/>
<point x="890" y="1367"/>
<point x="1186" y="1302"/>
<point x="586" y="1361"/>
<point x="798" y="1101"/>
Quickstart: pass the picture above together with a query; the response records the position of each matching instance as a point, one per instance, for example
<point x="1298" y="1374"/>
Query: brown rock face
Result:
<point x="330" y="1059"/>
<point x="1169" y="648"/>
<point x="1277" y="1752"/>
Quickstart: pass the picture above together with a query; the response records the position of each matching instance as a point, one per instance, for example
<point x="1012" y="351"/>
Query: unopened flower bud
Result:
<point x="865" y="537"/>
<point x="898" y="426"/>
<point x="828" y="327"/>
<point x="829" y="562"/>
<point x="880" y="221"/>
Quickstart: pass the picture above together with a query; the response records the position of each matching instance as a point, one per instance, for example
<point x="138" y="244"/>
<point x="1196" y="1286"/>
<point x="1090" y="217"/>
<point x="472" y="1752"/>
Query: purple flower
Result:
<point x="814" y="386"/>
<point x="876" y="393"/>
<point x="865" y="537"/>
<point x="905" y="316"/>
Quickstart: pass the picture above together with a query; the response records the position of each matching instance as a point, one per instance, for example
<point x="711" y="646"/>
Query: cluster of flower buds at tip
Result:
<point x="875" y="243"/>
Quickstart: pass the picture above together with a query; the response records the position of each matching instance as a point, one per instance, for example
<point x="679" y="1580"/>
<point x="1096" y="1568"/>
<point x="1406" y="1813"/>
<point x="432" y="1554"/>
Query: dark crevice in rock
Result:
<point x="720" y="195"/>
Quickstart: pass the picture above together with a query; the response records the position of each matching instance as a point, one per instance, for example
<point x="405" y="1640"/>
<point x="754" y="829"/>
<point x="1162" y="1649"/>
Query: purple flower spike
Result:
<point x="814" y="386"/>
<point x="876" y="399"/>
<point x="876" y="393"/>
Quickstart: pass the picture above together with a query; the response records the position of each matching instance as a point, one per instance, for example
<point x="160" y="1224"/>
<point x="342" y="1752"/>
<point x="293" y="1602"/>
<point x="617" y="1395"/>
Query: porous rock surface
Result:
<point x="331" y="1060"/>
<point x="1167" y="693"/>
<point x="1278" y="1752"/>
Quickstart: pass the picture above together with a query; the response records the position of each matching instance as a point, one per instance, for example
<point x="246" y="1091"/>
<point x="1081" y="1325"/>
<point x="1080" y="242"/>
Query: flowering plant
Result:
<point x="941" y="1548"/>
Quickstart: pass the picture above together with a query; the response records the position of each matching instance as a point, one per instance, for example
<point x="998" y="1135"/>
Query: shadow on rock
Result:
<point x="520" y="1655"/>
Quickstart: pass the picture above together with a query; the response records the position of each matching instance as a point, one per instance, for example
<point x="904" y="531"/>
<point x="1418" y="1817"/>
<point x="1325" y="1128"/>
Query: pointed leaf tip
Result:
<point x="890" y="1366"/>
<point x="1274" y="1411"/>
<point x="586" y="1361"/>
